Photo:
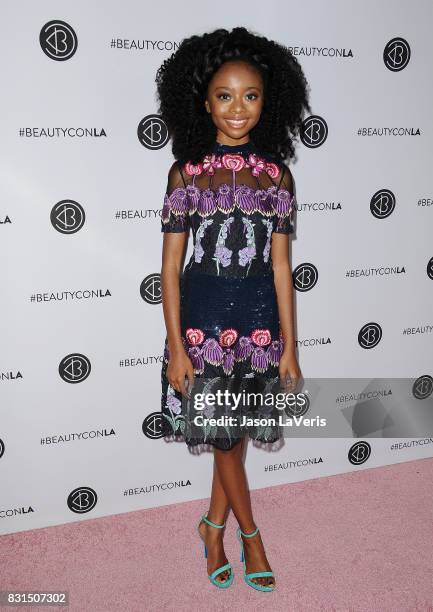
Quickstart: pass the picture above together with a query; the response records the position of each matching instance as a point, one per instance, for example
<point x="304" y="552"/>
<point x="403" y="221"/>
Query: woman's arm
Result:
<point x="284" y="288"/>
<point x="285" y="292"/>
<point x="172" y="258"/>
<point x="176" y="232"/>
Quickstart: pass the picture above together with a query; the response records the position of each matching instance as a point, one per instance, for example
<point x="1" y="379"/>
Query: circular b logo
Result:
<point x="150" y="289"/>
<point x="300" y="405"/>
<point x="314" y="131"/>
<point x="430" y="268"/>
<point x="396" y="54"/>
<point x="305" y="276"/>
<point x="152" y="132"/>
<point x="67" y="216"/>
<point x="82" y="500"/>
<point x="422" y="387"/>
<point x="152" y="425"/>
<point x="359" y="453"/>
<point x="74" y="368"/>
<point x="58" y="40"/>
<point x="370" y="335"/>
<point x="382" y="203"/>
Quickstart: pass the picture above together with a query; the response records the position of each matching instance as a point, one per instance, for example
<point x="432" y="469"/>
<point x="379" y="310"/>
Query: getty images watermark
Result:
<point x="317" y="407"/>
<point x="228" y="401"/>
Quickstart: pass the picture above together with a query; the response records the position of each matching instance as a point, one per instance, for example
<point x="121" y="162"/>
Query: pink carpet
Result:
<point x="358" y="541"/>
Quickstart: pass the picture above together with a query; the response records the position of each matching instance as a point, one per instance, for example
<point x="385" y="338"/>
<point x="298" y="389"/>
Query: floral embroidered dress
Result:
<point x="232" y="202"/>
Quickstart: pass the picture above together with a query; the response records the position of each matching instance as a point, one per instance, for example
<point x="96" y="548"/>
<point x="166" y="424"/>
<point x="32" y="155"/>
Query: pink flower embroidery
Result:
<point x="256" y="163"/>
<point x="272" y="169"/>
<point x="192" y="169"/>
<point x="261" y="337"/>
<point x="194" y="336"/>
<point x="231" y="348"/>
<point x="233" y="162"/>
<point x="228" y="337"/>
<point x="210" y="162"/>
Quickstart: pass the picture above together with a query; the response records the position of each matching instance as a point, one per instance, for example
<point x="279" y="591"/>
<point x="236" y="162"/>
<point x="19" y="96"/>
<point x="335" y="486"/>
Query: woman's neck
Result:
<point x="246" y="147"/>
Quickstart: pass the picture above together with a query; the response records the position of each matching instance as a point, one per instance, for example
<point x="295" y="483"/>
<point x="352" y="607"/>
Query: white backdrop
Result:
<point x="83" y="173"/>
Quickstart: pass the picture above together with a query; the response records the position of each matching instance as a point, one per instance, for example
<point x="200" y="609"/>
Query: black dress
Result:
<point x="233" y="201"/>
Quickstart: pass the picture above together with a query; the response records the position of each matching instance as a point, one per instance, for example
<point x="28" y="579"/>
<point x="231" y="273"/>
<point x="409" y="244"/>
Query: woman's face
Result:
<point x="235" y="101"/>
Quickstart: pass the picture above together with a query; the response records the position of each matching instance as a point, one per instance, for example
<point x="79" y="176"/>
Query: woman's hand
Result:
<point x="180" y="367"/>
<point x="289" y="371"/>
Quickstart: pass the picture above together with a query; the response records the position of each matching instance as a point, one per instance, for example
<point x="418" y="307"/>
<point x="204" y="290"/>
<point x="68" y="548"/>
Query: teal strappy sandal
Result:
<point x="221" y="584"/>
<point x="247" y="577"/>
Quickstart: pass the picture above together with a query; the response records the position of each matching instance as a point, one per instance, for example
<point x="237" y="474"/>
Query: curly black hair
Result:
<point x="182" y="81"/>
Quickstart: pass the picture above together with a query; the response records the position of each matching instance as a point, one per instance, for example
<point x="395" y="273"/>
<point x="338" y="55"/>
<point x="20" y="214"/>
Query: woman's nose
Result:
<point x="237" y="106"/>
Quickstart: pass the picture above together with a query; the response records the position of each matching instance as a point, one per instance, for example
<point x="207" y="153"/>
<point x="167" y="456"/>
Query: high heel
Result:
<point x="248" y="577"/>
<point x="221" y="584"/>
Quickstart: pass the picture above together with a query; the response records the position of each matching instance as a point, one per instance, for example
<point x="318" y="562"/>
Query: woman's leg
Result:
<point x="218" y="511"/>
<point x="232" y="480"/>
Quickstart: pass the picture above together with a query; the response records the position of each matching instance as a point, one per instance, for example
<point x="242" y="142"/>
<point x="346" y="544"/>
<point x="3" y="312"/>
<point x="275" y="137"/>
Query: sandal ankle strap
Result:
<point x="249" y="535"/>
<point x="206" y="520"/>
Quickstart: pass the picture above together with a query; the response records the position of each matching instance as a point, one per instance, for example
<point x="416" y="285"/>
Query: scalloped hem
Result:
<point x="220" y="443"/>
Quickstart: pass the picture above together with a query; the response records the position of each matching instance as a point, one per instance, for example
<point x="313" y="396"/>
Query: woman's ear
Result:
<point x="206" y="104"/>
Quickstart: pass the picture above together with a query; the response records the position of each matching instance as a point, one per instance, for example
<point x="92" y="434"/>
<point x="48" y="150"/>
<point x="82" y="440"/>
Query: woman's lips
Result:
<point x="236" y="123"/>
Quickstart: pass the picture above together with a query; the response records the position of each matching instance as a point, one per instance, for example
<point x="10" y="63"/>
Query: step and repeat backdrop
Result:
<point x="83" y="172"/>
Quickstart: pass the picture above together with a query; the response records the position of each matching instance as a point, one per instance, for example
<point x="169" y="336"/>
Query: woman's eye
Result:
<point x="225" y="96"/>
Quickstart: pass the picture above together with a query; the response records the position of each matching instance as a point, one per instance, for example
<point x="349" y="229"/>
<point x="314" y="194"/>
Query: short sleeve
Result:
<point x="284" y="222"/>
<point x="175" y="216"/>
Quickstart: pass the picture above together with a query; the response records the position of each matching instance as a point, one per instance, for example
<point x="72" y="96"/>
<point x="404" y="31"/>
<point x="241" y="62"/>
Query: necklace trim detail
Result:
<point x="234" y="162"/>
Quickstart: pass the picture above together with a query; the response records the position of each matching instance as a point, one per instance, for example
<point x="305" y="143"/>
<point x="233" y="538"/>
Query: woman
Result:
<point x="233" y="103"/>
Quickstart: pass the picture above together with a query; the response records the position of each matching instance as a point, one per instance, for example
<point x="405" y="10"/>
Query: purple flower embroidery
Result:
<point x="193" y="193"/>
<point x="284" y="203"/>
<point x="174" y="404"/>
<point x="206" y="204"/>
<point x="195" y="354"/>
<point x="274" y="352"/>
<point x="212" y="351"/>
<point x="198" y="252"/>
<point x="198" y="249"/>
<point x="267" y="249"/>
<point x="224" y="198"/>
<point x="263" y="203"/>
<point x="178" y="202"/>
<point x="259" y="359"/>
<point x="243" y="348"/>
<point x="223" y="255"/>
<point x="244" y="197"/>
<point x="209" y="411"/>
<point x="228" y="361"/>
<point x="251" y="347"/>
<point x="246" y="255"/>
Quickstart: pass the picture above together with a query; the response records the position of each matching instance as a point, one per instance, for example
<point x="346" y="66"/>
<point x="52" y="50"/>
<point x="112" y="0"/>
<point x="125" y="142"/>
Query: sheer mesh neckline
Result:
<point x="243" y="149"/>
